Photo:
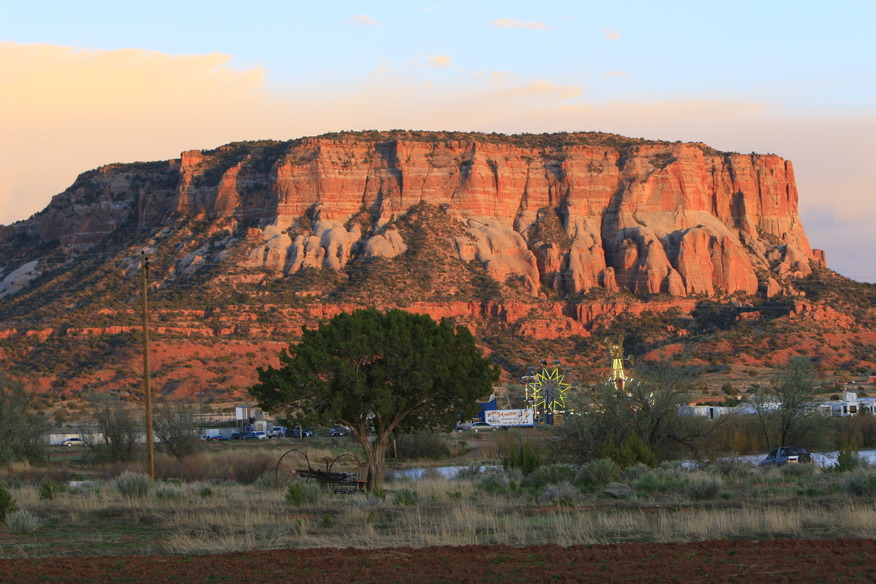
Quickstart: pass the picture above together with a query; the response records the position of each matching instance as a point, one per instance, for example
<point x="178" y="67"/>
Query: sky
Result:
<point x="87" y="83"/>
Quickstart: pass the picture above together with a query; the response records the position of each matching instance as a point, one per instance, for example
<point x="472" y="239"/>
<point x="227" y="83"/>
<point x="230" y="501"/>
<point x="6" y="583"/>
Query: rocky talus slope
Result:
<point x="536" y="236"/>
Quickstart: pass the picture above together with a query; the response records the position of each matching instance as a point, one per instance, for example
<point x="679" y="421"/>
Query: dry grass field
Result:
<point x="230" y="503"/>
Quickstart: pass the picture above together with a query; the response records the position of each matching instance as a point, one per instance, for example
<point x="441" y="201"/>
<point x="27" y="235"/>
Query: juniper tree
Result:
<point x="377" y="373"/>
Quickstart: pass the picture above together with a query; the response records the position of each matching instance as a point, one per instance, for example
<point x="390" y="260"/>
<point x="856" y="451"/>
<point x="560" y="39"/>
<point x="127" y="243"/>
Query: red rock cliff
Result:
<point x="572" y="212"/>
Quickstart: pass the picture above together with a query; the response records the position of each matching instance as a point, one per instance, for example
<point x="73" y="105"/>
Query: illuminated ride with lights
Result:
<point x="546" y="389"/>
<point x="618" y="377"/>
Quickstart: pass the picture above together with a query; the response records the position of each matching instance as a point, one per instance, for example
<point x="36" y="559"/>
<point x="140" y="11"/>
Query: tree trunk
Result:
<point x="375" y="452"/>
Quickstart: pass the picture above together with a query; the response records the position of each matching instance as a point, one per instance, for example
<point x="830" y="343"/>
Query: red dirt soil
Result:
<point x="717" y="561"/>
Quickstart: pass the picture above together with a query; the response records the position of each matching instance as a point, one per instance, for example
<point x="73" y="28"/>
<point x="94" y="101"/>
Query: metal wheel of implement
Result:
<point x="290" y="464"/>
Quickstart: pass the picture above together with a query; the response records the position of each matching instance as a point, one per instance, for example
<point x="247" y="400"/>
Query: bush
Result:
<point x="703" y="488"/>
<point x="23" y="521"/>
<point x="523" y="457"/>
<point x="847" y="460"/>
<point x="49" y="489"/>
<point x="133" y="485"/>
<point x="423" y="445"/>
<point x="472" y="471"/>
<point x="632" y="451"/>
<point x="559" y="493"/>
<point x="7" y="503"/>
<point x="658" y="482"/>
<point x="599" y="472"/>
<point x="247" y="470"/>
<point x="20" y="426"/>
<point x="549" y="475"/>
<point x="635" y="472"/>
<point x="862" y="483"/>
<point x="798" y="470"/>
<point x="270" y="481"/>
<point x="300" y="493"/>
<point x="171" y="493"/>
<point x="496" y="484"/>
<point x="734" y="468"/>
<point x="405" y="497"/>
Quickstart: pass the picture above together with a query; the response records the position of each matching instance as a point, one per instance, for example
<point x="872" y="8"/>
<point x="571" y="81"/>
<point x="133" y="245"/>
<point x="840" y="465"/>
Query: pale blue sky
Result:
<point x="795" y="78"/>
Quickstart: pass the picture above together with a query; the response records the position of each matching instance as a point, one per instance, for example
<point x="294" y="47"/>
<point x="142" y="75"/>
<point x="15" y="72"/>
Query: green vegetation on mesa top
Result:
<point x="524" y="140"/>
<point x="263" y="153"/>
<point x="555" y="140"/>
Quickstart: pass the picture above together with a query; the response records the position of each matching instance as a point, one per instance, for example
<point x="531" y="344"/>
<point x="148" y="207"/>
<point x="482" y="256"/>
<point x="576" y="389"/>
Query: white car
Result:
<point x="479" y="427"/>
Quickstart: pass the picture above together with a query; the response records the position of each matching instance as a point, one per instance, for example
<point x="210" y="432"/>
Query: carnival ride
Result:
<point x="546" y="389"/>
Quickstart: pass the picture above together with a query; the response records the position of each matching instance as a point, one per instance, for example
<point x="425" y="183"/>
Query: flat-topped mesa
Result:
<point x="572" y="212"/>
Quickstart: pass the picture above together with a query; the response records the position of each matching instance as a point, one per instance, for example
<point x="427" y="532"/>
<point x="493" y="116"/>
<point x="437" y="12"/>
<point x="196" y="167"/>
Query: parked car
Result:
<point x="217" y="437"/>
<point x="478" y="427"/>
<point x="786" y="455"/>
<point x="340" y="431"/>
<point x="297" y="432"/>
<point x="278" y="432"/>
<point x="259" y="435"/>
<point x="238" y="435"/>
<point x="73" y="442"/>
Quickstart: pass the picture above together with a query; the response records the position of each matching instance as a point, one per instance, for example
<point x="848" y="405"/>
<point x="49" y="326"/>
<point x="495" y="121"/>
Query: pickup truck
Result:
<point x="277" y="432"/>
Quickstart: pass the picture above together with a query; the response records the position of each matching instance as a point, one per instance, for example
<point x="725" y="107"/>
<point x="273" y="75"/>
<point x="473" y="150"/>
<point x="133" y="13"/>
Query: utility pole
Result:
<point x="150" y="457"/>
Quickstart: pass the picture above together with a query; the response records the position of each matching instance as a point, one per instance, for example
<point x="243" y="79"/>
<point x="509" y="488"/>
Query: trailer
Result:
<point x="510" y="418"/>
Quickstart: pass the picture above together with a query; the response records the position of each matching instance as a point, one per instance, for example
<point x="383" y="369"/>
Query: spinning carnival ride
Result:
<point x="619" y="378"/>
<point x="546" y="390"/>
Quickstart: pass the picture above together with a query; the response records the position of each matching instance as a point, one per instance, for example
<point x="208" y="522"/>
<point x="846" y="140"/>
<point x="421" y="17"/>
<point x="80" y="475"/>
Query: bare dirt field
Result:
<point x="782" y="560"/>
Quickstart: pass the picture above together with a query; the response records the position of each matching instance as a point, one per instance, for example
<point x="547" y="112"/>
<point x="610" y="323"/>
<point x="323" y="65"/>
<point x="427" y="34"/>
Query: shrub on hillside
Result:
<point x="799" y="470"/>
<point x="246" y="470"/>
<point x="423" y="445"/>
<point x="598" y="473"/>
<point x="300" y="493"/>
<point x="406" y="497"/>
<point x="7" y="503"/>
<point x="23" y="521"/>
<point x="847" y="460"/>
<point x="631" y="451"/>
<point x="734" y="468"/>
<point x="495" y="483"/>
<point x="635" y="472"/>
<point x="658" y="482"/>
<point x="133" y="485"/>
<point x="702" y="488"/>
<point x="553" y="474"/>
<point x="49" y="489"/>
<point x="861" y="483"/>
<point x="559" y="493"/>
<point x="522" y="457"/>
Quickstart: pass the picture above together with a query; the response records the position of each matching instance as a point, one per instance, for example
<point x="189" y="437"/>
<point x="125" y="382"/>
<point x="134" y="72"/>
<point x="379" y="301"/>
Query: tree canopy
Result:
<point x="20" y="428"/>
<point x="376" y="373"/>
<point x="644" y="415"/>
<point x="788" y="413"/>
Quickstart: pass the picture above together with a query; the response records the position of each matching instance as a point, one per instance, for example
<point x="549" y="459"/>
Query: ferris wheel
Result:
<point x="546" y="388"/>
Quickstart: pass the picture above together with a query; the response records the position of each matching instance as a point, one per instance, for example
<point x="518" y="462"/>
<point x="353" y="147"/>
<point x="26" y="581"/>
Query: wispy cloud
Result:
<point x="543" y="88"/>
<point x="611" y="34"/>
<point x="440" y="61"/>
<point x="361" y="20"/>
<point x="615" y="74"/>
<point x="514" y="23"/>
<point x="81" y="109"/>
<point x="86" y="108"/>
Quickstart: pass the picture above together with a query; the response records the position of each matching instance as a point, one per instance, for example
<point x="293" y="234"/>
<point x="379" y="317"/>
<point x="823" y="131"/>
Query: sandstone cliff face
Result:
<point x="571" y="215"/>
